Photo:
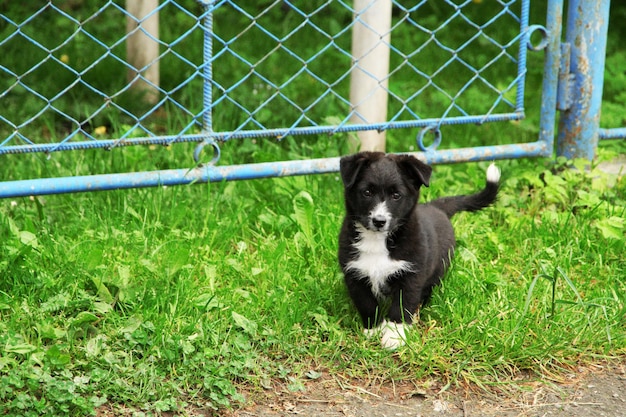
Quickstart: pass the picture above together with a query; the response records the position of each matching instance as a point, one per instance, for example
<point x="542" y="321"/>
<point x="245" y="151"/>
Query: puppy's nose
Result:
<point x="379" y="221"/>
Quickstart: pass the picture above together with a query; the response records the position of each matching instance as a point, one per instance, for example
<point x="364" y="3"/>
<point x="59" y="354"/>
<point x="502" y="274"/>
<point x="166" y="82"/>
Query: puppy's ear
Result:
<point x="350" y="167"/>
<point x="418" y="171"/>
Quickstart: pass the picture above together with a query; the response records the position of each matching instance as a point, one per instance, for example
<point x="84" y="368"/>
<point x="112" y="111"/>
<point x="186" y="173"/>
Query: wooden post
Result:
<point x="142" y="50"/>
<point x="371" y="37"/>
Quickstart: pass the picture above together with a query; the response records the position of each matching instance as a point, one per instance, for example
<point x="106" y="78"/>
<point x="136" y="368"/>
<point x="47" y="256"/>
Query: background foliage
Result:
<point x="180" y="299"/>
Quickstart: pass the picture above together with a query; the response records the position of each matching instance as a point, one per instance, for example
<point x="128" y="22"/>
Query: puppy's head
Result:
<point x="381" y="190"/>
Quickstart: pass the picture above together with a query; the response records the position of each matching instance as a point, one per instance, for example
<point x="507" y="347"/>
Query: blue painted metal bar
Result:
<point x="587" y="27"/>
<point x="207" y="94"/>
<point x="616" y="133"/>
<point x="210" y="173"/>
<point x="261" y="133"/>
<point x="100" y="144"/>
<point x="554" y="18"/>
<point x="522" y="53"/>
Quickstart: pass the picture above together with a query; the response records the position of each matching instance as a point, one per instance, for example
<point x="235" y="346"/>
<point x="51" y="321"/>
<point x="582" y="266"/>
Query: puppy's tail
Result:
<point x="473" y="202"/>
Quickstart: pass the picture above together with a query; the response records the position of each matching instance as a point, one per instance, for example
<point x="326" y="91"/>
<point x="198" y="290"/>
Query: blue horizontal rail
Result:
<point x="615" y="133"/>
<point x="248" y="134"/>
<point x="211" y="173"/>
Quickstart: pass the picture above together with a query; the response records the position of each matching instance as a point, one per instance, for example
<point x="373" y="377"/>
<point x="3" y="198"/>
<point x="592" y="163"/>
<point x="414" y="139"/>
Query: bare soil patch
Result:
<point x="592" y="391"/>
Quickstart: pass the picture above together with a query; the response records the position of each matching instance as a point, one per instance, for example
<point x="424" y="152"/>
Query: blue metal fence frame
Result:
<point x="543" y="147"/>
<point x="585" y="48"/>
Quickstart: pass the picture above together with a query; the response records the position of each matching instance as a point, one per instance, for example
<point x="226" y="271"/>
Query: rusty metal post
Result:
<point x="587" y="27"/>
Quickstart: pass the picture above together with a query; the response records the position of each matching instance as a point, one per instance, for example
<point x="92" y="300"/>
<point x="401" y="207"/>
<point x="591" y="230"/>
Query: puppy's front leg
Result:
<point x="404" y="303"/>
<point x="364" y="301"/>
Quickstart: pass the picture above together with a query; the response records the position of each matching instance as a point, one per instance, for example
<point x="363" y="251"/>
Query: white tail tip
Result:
<point x="493" y="174"/>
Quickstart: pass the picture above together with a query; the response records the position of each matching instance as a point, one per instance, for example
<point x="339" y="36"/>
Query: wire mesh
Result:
<point x="244" y="68"/>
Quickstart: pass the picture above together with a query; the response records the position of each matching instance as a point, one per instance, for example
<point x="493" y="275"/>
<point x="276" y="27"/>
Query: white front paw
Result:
<point x="393" y="335"/>
<point x="374" y="331"/>
<point x="369" y="333"/>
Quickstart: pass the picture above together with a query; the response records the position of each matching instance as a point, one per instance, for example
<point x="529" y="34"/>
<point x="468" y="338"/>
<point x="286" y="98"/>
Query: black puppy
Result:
<point x="391" y="247"/>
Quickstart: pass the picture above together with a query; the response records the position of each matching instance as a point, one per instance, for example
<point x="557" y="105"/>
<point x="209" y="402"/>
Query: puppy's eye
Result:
<point x="396" y="196"/>
<point x="367" y="193"/>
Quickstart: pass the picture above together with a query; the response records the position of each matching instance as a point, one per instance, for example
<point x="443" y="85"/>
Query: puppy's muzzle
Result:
<point x="379" y="222"/>
<point x="379" y="218"/>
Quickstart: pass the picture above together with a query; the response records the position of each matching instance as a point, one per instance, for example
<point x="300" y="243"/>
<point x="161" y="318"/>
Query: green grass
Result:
<point x="174" y="298"/>
<point x="181" y="298"/>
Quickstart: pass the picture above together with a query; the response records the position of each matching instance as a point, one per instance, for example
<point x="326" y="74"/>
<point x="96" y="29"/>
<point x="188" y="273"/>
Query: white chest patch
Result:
<point x="373" y="261"/>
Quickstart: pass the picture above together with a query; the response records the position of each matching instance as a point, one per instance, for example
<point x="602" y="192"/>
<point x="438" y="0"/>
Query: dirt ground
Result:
<point x="597" y="391"/>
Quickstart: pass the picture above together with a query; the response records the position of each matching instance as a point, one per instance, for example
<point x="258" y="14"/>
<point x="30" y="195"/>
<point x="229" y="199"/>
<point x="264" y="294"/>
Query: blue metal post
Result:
<point x="587" y="26"/>
<point x="554" y="22"/>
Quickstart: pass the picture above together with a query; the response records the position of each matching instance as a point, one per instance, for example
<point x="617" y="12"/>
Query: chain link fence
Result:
<point x="234" y="69"/>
